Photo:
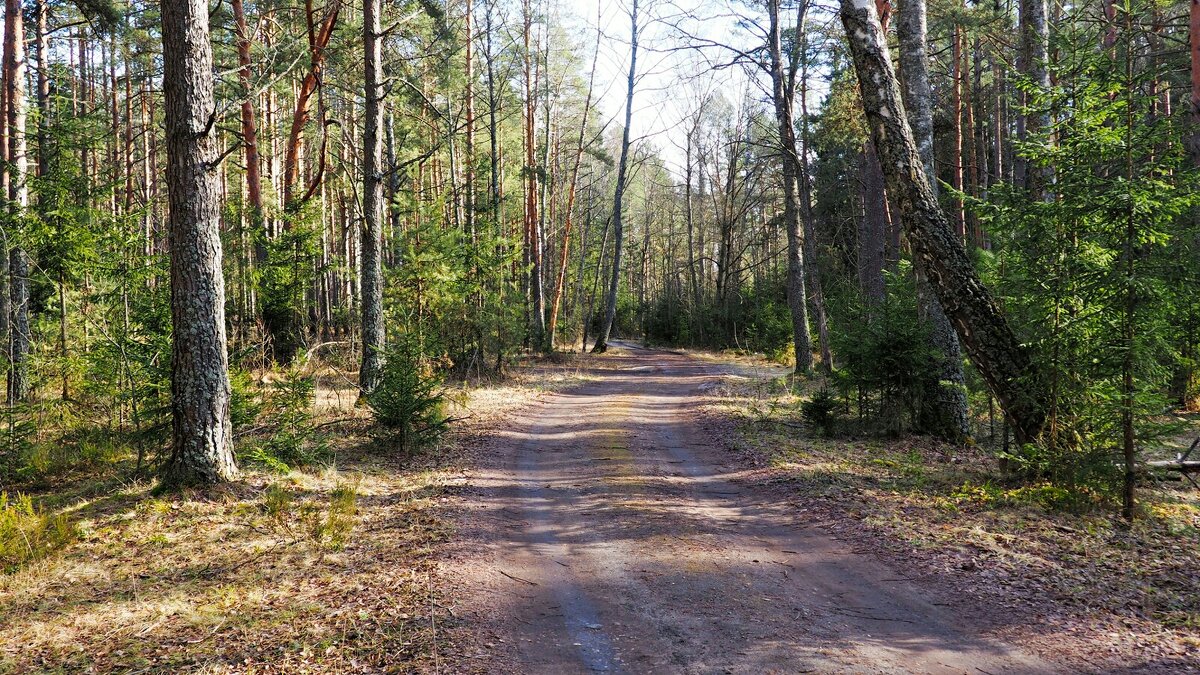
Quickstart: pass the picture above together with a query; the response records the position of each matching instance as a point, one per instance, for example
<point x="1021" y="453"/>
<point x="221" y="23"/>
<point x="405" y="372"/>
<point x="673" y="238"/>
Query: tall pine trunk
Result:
<point x="249" y="131"/>
<point x="372" y="239"/>
<point x="202" y="439"/>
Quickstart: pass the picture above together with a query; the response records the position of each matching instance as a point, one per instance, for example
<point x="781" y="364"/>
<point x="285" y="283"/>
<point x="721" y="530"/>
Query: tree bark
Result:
<point x="944" y="410"/>
<point x="202" y="442"/>
<point x="249" y="131"/>
<point x="815" y="287"/>
<point x="372" y="236"/>
<point x="994" y="348"/>
<point x="533" y="239"/>
<point x="318" y="42"/>
<point x="783" y="93"/>
<point x="610" y="311"/>
<point x="872" y="231"/>
<point x="1194" y="49"/>
<point x="18" y="195"/>
<point x="1032" y="60"/>
<point x="1188" y="377"/>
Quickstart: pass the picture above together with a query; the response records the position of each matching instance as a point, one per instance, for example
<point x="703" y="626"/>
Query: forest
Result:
<point x="299" y="300"/>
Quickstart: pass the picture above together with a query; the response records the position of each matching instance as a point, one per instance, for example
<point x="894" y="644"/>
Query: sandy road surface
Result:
<point x="604" y="534"/>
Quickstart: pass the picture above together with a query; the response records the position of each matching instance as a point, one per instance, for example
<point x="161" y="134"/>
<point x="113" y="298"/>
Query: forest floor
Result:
<point x="1077" y="584"/>
<point x="641" y="511"/>
<point x="330" y="570"/>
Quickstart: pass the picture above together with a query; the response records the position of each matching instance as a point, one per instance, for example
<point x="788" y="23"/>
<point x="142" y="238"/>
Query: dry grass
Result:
<point x="326" y="570"/>
<point x="948" y="513"/>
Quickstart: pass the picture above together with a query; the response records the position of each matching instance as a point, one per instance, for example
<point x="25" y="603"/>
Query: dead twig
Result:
<point x="524" y="581"/>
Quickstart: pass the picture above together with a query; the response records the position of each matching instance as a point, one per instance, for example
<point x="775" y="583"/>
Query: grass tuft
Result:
<point x="28" y="534"/>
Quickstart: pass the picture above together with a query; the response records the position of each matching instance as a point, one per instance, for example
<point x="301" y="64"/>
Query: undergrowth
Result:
<point x="292" y="439"/>
<point x="28" y="534"/>
<point x="1047" y="537"/>
<point x="325" y="527"/>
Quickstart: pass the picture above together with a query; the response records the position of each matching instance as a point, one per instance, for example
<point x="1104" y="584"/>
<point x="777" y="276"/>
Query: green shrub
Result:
<point x="245" y="404"/>
<point x="27" y="534"/>
<point x="885" y="361"/>
<point x="277" y="502"/>
<point x="821" y="411"/>
<point x="409" y="402"/>
<point x="293" y="440"/>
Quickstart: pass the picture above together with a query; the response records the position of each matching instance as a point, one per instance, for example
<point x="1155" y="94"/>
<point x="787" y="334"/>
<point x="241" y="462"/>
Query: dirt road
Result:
<point x="607" y="534"/>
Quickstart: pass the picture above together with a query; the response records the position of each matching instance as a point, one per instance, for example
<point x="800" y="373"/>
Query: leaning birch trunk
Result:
<point x="783" y="94"/>
<point x="372" y="239"/>
<point x="999" y="356"/>
<point x="944" y="406"/>
<point x="610" y="311"/>
<point x="202" y="440"/>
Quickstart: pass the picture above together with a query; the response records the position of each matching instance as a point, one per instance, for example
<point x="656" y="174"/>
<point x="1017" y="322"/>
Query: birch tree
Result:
<point x="783" y="93"/>
<point x="610" y="311"/>
<point x="944" y="408"/>
<point x="994" y="348"/>
<point x="372" y="236"/>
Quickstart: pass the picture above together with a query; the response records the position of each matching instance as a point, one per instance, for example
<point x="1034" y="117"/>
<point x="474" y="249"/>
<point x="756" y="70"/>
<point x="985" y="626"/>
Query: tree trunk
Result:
<point x="783" y="93"/>
<point x="944" y="410"/>
<point x="872" y="231"/>
<point x="994" y="348"/>
<point x="956" y="108"/>
<point x="318" y="41"/>
<point x="18" y="195"/>
<point x="610" y="311"/>
<point x="693" y="271"/>
<point x="1032" y="60"/>
<point x="202" y="439"/>
<point x="249" y="132"/>
<point x="43" y="86"/>
<point x="815" y="287"/>
<point x="1194" y="48"/>
<point x="1187" y="379"/>
<point x="372" y="237"/>
<point x="532" y="237"/>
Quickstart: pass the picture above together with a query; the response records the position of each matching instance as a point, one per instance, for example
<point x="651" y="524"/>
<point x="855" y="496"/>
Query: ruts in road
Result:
<point x="605" y="534"/>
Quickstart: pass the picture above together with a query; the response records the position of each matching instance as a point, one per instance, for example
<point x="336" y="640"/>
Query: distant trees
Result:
<point x="462" y="192"/>
<point x="610" y="303"/>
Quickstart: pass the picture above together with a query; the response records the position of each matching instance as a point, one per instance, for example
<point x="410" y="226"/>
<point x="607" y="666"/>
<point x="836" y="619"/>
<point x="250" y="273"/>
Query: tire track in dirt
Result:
<point x="608" y="533"/>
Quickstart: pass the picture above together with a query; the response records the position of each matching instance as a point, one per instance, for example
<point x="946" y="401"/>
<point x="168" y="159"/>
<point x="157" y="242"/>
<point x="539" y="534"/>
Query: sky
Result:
<point x="669" y="74"/>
